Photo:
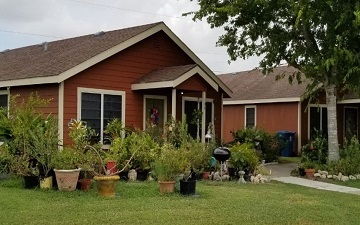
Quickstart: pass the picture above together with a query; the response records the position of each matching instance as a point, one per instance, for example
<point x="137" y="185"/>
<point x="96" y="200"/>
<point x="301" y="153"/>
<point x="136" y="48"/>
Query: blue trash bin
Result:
<point x="288" y="139"/>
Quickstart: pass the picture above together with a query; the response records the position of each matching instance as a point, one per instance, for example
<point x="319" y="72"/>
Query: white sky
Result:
<point x="28" y="22"/>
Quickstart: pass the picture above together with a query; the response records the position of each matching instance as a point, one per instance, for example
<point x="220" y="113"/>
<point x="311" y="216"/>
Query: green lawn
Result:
<point x="217" y="203"/>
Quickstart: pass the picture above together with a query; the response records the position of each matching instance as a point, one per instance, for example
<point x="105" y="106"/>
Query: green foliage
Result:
<point x="243" y="156"/>
<point x="315" y="150"/>
<point x="349" y="159"/>
<point x="176" y="132"/>
<point x="67" y="159"/>
<point x="114" y="128"/>
<point x="31" y="138"/>
<point x="171" y="162"/>
<point x="268" y="145"/>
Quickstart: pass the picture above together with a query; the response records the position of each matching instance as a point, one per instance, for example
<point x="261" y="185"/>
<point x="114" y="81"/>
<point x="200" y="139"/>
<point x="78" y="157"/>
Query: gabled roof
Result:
<point x="56" y="61"/>
<point x="171" y="77"/>
<point x="250" y="87"/>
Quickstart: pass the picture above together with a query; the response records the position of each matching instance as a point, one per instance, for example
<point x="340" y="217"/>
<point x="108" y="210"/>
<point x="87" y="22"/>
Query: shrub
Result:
<point x="349" y="159"/>
<point x="268" y="144"/>
<point x="243" y="156"/>
<point x="315" y="150"/>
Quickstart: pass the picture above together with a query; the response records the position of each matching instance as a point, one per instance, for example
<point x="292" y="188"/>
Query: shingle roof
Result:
<point x="165" y="74"/>
<point x="254" y="85"/>
<point x="33" y="61"/>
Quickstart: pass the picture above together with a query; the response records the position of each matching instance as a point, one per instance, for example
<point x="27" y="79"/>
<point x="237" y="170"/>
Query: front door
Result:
<point x="155" y="111"/>
<point x="192" y="111"/>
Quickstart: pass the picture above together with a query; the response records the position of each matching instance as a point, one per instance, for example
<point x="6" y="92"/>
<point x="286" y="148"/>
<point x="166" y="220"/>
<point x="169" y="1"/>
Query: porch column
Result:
<point x="173" y="103"/>
<point x="203" y="121"/>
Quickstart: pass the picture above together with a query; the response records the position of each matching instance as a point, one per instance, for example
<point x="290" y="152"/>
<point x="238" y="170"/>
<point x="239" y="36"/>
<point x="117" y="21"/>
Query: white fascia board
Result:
<point x="192" y="72"/>
<point x="162" y="84"/>
<point x="349" y="101"/>
<point x="257" y="101"/>
<point x="197" y="60"/>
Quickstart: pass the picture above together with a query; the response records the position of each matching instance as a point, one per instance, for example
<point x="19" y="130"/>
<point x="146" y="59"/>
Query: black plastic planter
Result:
<point x="31" y="182"/>
<point x="142" y="175"/>
<point x="187" y="187"/>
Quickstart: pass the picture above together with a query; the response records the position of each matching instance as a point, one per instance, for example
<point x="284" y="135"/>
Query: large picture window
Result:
<point x="98" y="107"/>
<point x="250" y="116"/>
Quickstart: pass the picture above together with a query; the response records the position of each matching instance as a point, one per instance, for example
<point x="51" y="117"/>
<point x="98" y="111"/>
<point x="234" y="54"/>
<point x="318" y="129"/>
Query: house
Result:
<point x="261" y="101"/>
<point x="138" y="74"/>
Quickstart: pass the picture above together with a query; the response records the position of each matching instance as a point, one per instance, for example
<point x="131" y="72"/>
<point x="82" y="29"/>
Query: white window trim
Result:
<point x="144" y="107"/>
<point x="194" y="99"/>
<point x="255" y="114"/>
<point x="102" y="92"/>
<point x="315" y="106"/>
<point x="357" y="120"/>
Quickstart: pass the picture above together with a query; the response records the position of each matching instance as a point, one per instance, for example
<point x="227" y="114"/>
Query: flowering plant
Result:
<point x="315" y="150"/>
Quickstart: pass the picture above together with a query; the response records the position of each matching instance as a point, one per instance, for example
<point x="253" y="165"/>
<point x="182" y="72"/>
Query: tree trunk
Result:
<point x="333" y="141"/>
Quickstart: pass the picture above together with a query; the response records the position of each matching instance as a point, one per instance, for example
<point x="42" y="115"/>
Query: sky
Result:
<point x="30" y="22"/>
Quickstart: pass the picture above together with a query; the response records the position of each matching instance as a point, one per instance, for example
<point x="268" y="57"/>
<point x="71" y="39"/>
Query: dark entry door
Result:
<point x="192" y="112"/>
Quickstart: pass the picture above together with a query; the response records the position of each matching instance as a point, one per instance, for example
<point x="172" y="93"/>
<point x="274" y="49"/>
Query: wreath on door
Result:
<point x="154" y="115"/>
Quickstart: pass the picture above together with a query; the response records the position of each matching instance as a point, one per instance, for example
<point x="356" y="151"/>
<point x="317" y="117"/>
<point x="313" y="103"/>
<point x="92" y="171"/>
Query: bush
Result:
<point x="349" y="159"/>
<point x="243" y="156"/>
<point x="315" y="150"/>
<point x="267" y="144"/>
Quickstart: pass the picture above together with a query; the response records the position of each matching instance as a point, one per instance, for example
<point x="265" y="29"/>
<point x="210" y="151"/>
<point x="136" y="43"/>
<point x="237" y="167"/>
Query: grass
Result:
<point x="141" y="203"/>
<point x="289" y="159"/>
<point x="350" y="183"/>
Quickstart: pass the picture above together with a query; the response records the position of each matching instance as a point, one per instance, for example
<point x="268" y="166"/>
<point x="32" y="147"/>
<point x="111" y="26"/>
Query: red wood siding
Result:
<point x="45" y="91"/>
<point x="271" y="117"/>
<point x="120" y="71"/>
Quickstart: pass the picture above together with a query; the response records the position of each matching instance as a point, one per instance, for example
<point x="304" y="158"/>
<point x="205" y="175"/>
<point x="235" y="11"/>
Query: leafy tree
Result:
<point x="319" y="38"/>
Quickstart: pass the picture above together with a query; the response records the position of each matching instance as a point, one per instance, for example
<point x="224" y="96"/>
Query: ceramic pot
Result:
<point x="67" y="179"/>
<point x="166" y="186"/>
<point x="106" y="185"/>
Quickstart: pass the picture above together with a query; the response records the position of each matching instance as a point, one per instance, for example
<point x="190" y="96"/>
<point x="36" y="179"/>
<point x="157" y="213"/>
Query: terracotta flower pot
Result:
<point x="106" y="185"/>
<point x="85" y="184"/>
<point x="309" y="173"/>
<point x="206" y="175"/>
<point x="166" y="186"/>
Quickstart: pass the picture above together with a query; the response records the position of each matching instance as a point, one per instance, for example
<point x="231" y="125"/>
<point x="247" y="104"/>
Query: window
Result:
<point x="4" y="100"/>
<point x="317" y="120"/>
<point x="250" y="116"/>
<point x="98" y="107"/>
<point x="350" y="122"/>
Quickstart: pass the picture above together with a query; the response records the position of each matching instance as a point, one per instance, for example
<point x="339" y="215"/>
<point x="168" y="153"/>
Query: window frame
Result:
<point x="6" y="92"/>
<point x="245" y="114"/>
<point x="102" y="92"/>
<point x="321" y="106"/>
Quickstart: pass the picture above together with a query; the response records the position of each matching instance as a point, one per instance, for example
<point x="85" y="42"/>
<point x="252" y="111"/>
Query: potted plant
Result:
<point x="18" y="127"/>
<point x="309" y="167"/>
<point x="44" y="139"/>
<point x="168" y="166"/>
<point x="66" y="167"/>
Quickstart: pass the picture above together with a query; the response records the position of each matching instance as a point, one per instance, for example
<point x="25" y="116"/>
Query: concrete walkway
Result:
<point x="281" y="173"/>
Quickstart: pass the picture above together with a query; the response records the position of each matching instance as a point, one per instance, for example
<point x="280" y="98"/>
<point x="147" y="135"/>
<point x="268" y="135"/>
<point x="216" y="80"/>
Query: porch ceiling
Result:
<point x="171" y="77"/>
